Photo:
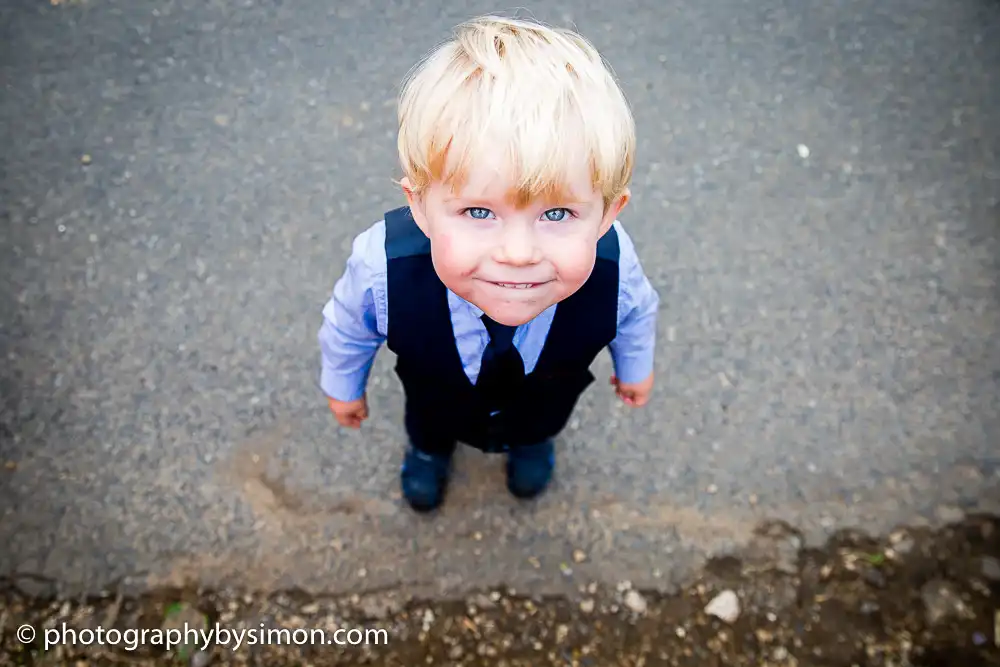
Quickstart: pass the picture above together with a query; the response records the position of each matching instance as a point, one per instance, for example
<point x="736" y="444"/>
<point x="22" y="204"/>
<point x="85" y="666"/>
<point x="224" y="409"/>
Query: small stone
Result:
<point x="948" y="514"/>
<point x="10" y="465"/>
<point x="991" y="568"/>
<point x="874" y="577"/>
<point x="222" y="120"/>
<point x="903" y="546"/>
<point x="587" y="606"/>
<point x="201" y="659"/>
<point x="724" y="606"/>
<point x="940" y="601"/>
<point x="712" y="489"/>
<point x="456" y="652"/>
<point x="579" y="556"/>
<point x="803" y="151"/>
<point x="869" y="607"/>
<point x="484" y="602"/>
<point x="780" y="653"/>
<point x="680" y="632"/>
<point x="561" y="633"/>
<point x="85" y="159"/>
<point x="310" y="609"/>
<point x="635" y="602"/>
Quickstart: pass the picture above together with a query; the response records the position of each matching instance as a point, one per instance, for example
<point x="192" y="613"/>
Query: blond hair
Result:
<point x="540" y="97"/>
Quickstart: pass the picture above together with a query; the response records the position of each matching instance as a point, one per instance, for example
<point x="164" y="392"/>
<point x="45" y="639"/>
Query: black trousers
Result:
<point x="434" y="433"/>
<point x="427" y="432"/>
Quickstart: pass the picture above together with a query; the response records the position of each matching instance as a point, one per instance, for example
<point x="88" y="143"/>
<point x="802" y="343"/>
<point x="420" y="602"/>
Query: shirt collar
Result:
<point x="455" y="300"/>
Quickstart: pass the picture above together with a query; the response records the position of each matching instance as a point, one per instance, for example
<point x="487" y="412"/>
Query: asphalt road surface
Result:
<point x="817" y="201"/>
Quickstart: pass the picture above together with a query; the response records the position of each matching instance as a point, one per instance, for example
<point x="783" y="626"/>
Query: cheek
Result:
<point x="573" y="259"/>
<point x="452" y="254"/>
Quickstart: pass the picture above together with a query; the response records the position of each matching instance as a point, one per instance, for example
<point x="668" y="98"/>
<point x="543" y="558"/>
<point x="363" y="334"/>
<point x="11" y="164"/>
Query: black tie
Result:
<point x="502" y="368"/>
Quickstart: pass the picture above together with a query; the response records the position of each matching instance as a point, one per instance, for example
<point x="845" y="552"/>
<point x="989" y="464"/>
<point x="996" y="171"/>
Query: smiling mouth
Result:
<point x="516" y="285"/>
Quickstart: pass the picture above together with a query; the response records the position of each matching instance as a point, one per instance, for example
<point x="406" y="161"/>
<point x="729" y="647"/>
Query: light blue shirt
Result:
<point x="355" y="321"/>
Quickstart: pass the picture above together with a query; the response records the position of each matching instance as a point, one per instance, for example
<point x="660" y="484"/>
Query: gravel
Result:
<point x="933" y="605"/>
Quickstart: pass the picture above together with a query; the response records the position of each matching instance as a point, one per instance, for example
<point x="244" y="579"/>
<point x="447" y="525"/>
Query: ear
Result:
<point x="613" y="210"/>
<point x="415" y="202"/>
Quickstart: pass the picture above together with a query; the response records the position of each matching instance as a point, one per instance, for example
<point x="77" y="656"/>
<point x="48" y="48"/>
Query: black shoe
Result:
<point x="529" y="469"/>
<point x="424" y="478"/>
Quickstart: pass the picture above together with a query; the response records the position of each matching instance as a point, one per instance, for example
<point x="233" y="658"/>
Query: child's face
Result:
<point x="512" y="261"/>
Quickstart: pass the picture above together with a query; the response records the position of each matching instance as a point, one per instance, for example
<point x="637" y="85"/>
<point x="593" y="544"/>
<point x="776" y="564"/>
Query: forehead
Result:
<point x="493" y="178"/>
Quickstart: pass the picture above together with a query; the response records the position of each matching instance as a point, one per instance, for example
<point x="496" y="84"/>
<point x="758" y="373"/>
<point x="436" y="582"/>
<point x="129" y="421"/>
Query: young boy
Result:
<point x="507" y="272"/>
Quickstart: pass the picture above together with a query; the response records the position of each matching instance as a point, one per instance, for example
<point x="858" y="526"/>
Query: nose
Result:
<point x="517" y="245"/>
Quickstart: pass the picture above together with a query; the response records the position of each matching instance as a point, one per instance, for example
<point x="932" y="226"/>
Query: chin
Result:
<point x="512" y="314"/>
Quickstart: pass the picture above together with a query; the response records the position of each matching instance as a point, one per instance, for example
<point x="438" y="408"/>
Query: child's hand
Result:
<point x="635" y="394"/>
<point x="350" y="413"/>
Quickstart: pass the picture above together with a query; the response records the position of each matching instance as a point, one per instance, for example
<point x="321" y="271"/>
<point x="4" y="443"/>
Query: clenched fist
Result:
<point x="350" y="413"/>
<point x="634" y="394"/>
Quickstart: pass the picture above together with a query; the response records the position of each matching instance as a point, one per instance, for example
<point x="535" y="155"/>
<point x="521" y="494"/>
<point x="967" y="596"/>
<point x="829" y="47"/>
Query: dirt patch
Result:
<point x="916" y="598"/>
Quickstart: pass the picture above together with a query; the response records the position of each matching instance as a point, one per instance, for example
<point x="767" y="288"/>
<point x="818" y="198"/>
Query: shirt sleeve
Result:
<point x="354" y="326"/>
<point x="634" y="347"/>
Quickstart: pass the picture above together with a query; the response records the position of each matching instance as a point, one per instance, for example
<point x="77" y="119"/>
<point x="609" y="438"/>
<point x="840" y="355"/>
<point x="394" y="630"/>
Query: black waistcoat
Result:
<point x="441" y="401"/>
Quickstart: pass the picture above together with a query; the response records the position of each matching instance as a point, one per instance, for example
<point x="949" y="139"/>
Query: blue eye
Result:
<point x="478" y="213"/>
<point x="556" y="214"/>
